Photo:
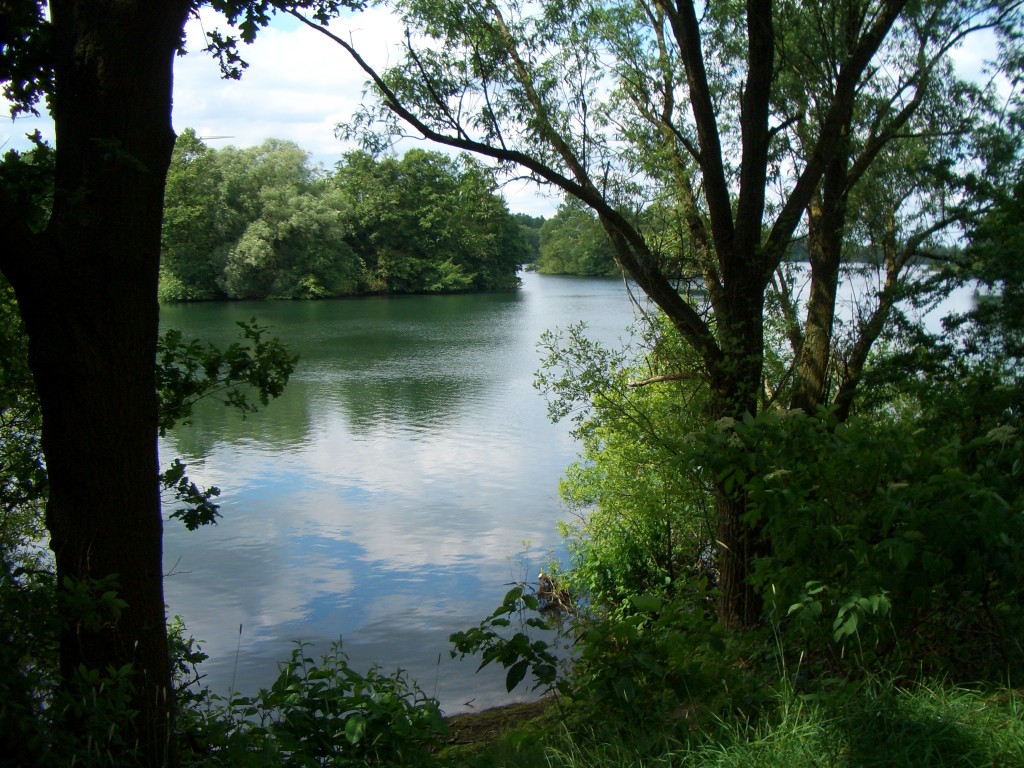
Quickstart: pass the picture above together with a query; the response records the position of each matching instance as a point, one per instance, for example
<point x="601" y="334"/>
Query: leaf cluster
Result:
<point x="642" y="514"/>
<point x="656" y="659"/>
<point x="518" y="653"/>
<point x="263" y="223"/>
<point x="190" y="371"/>
<point x="40" y="711"/>
<point x="573" y="243"/>
<point x="25" y="43"/>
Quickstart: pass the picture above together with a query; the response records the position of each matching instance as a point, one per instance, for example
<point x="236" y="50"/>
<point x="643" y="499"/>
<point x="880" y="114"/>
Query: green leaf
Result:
<point x="355" y="728"/>
<point x="646" y="603"/>
<point x="844" y="625"/>
<point x="516" y="673"/>
<point x="513" y="595"/>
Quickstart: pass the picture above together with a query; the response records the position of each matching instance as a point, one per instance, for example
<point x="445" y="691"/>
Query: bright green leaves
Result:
<point x="646" y="603"/>
<point x="641" y="512"/>
<point x="427" y="222"/>
<point x="851" y="612"/>
<point x="573" y="243"/>
<point x="195" y="223"/>
<point x="896" y="540"/>
<point x="263" y="223"/>
<point x="517" y="79"/>
<point x="251" y="223"/>
<point x="516" y="652"/>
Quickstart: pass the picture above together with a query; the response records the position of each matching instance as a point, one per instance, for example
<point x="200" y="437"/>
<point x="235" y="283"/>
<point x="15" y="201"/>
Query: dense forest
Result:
<point x="573" y="243"/>
<point x="263" y="223"/>
<point x="799" y="536"/>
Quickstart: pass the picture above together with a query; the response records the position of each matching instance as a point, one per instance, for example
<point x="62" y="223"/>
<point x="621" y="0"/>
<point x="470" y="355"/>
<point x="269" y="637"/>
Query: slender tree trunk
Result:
<point x="87" y="292"/>
<point x="827" y="222"/>
<point x="812" y="365"/>
<point x="736" y="392"/>
<point x="871" y="328"/>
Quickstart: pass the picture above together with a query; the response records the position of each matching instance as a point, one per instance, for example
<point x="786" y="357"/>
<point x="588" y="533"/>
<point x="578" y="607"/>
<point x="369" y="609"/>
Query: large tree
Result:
<point x="86" y="286"/>
<point x="427" y="222"/>
<point x="750" y="123"/>
<point x="85" y="277"/>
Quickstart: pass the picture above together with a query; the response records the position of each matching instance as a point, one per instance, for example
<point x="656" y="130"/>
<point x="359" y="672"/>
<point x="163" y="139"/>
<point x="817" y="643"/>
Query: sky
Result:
<point x="300" y="85"/>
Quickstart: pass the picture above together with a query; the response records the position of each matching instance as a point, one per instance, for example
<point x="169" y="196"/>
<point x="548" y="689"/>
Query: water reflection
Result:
<point x="385" y="496"/>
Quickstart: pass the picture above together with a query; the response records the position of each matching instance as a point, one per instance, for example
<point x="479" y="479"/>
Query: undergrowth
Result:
<point x="926" y="725"/>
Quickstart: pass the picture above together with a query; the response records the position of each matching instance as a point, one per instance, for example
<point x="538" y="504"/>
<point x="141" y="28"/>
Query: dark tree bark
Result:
<point x="86" y="286"/>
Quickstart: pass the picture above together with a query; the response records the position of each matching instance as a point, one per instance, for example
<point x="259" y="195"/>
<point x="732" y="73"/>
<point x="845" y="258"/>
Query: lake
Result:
<point x="407" y="476"/>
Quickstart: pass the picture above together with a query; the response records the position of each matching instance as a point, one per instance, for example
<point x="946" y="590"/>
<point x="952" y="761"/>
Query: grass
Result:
<point x="927" y="725"/>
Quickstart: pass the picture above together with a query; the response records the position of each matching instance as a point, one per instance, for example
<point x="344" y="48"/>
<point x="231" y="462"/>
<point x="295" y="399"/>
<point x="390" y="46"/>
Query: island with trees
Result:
<point x="263" y="223"/>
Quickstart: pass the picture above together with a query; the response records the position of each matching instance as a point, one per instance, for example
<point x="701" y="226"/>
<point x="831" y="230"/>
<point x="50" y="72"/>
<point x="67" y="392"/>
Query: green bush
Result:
<point x="643" y="517"/>
<point x="517" y="652"/>
<point x="316" y="714"/>
<point x="889" y="543"/>
<point x="658" y="660"/>
<point x="649" y="661"/>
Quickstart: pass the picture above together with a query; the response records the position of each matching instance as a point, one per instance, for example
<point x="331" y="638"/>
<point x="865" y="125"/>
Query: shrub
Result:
<point x="887" y="542"/>
<point x="317" y="714"/>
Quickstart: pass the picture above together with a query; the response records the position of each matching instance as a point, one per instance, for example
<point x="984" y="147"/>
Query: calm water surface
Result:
<point x="406" y="477"/>
<point x="408" y="474"/>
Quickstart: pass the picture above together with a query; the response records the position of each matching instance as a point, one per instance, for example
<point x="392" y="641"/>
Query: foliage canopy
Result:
<point x="263" y="223"/>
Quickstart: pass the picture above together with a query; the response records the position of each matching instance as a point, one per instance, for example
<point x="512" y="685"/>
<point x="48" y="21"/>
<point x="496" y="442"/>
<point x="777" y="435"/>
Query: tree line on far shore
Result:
<point x="263" y="222"/>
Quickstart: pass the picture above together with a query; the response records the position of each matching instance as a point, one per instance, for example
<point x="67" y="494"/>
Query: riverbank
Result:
<point x="472" y="732"/>
<point x="878" y="726"/>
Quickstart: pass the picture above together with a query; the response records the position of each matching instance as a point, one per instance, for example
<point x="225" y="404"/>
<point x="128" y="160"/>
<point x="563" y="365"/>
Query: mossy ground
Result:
<point x="471" y="732"/>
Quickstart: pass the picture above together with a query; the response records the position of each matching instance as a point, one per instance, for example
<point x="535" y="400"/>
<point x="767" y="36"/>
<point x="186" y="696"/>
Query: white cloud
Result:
<point x="300" y="85"/>
<point x="975" y="55"/>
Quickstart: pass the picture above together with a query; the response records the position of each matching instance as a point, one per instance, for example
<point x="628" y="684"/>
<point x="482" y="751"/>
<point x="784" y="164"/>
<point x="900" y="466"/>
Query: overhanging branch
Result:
<point x="630" y="246"/>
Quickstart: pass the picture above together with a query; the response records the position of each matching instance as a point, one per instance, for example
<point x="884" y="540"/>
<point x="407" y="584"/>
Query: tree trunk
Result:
<point x="736" y="392"/>
<point x="87" y="291"/>
<point x="740" y="606"/>
<point x="810" y="380"/>
<point x="826" y="216"/>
